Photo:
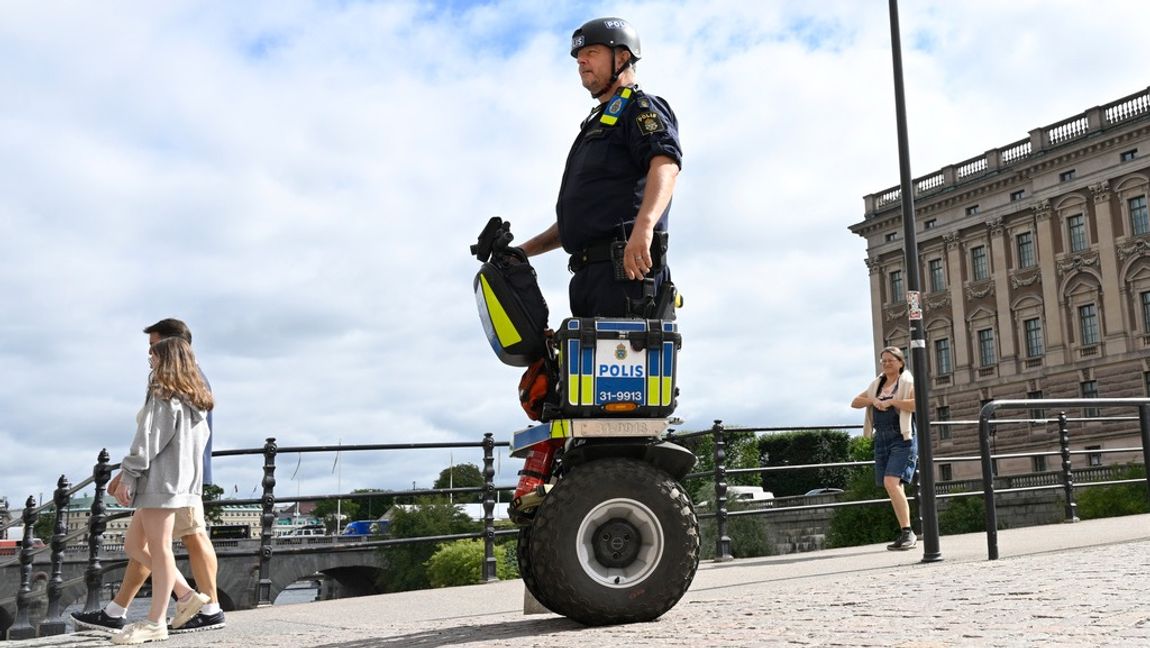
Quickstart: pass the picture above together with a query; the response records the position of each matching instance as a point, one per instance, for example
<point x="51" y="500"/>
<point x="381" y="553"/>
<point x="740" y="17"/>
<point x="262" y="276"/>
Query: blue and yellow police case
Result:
<point x="513" y="312"/>
<point x="617" y="367"/>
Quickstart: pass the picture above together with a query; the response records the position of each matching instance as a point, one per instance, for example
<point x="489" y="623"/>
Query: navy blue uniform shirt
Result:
<point x="606" y="170"/>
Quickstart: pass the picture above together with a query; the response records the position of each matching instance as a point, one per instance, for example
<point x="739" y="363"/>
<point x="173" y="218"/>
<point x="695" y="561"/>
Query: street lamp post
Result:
<point x="926" y="502"/>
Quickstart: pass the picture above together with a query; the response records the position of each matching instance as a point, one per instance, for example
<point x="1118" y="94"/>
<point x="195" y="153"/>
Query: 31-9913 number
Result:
<point x="620" y="396"/>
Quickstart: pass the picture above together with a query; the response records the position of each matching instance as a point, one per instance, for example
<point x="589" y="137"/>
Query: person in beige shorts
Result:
<point x="201" y="611"/>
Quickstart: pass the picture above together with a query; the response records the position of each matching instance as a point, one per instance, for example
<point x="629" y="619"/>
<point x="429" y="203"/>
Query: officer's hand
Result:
<point x="637" y="255"/>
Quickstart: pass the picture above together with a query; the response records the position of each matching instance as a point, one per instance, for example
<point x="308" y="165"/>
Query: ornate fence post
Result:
<point x="21" y="628"/>
<point x="264" y="588"/>
<point x="97" y="523"/>
<point x="53" y="624"/>
<point x="1067" y="472"/>
<point x="722" y="540"/>
<point x="489" y="562"/>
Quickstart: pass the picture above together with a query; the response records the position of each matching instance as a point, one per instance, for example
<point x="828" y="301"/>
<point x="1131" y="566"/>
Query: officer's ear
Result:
<point x="623" y="57"/>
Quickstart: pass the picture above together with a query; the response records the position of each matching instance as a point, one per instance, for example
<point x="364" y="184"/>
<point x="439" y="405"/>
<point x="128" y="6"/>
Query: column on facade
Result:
<point x="1004" y="336"/>
<point x="1052" y="325"/>
<point x="875" y="270"/>
<point x="959" y="336"/>
<point x="1113" y="331"/>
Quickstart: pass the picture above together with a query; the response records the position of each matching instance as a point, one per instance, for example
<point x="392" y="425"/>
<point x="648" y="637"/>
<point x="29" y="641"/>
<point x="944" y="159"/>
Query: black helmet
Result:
<point x="612" y="32"/>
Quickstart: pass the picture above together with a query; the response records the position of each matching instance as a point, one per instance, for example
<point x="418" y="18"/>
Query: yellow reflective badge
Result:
<point x="650" y="122"/>
<point x="615" y="107"/>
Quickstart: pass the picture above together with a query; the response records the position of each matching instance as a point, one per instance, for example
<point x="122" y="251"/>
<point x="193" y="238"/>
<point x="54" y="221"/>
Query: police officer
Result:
<point x="616" y="189"/>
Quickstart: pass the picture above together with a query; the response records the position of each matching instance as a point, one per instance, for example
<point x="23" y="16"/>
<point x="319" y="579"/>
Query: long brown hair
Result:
<point x="175" y="373"/>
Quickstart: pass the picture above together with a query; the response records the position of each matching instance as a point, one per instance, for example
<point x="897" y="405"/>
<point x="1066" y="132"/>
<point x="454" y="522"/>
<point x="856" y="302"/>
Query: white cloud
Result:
<point x="300" y="182"/>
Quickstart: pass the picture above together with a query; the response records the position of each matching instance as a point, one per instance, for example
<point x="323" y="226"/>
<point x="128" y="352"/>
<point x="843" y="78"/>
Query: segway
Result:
<point x="607" y="533"/>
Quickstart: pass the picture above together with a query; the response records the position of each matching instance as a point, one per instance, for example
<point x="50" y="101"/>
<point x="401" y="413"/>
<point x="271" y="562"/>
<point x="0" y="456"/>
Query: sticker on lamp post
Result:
<point x="913" y="305"/>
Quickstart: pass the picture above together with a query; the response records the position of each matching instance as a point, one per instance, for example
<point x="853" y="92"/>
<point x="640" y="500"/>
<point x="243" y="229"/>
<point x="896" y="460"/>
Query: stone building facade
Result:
<point x="1035" y="283"/>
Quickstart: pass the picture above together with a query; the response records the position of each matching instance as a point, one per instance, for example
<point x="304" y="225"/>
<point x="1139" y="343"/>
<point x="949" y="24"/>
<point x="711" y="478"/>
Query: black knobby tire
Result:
<point x="526" y="572"/>
<point x="616" y="541"/>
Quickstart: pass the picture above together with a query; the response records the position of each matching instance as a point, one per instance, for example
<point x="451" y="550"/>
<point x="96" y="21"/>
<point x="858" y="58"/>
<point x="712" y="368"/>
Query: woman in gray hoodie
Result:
<point x="162" y="472"/>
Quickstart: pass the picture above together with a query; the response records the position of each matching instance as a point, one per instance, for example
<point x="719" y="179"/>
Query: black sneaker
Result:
<point x="98" y="620"/>
<point x="201" y="622"/>
<point x="905" y="540"/>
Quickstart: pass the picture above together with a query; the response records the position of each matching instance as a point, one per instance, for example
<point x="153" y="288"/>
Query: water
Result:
<point x="295" y="594"/>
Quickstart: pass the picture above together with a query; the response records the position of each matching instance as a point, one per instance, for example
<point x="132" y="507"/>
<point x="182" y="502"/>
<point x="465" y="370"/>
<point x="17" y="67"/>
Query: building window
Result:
<point x="1146" y="382"/>
<point x="930" y="223"/>
<point x="942" y="357"/>
<point x="1139" y="216"/>
<point x="1015" y="196"/>
<point x="1036" y="413"/>
<point x="937" y="280"/>
<point x="1025" y="243"/>
<point x="986" y="348"/>
<point x="972" y="210"/>
<point x="1038" y="464"/>
<point x="1089" y="389"/>
<point x="979" y="268"/>
<point x="891" y="236"/>
<point x="1126" y="156"/>
<point x="1145" y="297"/>
<point x="1033" y="329"/>
<point x="1066" y="176"/>
<point x="941" y="414"/>
<point x="1076" y="226"/>
<point x="945" y="473"/>
<point x="1094" y="458"/>
<point x="1088" y="324"/>
<point x="895" y="286"/>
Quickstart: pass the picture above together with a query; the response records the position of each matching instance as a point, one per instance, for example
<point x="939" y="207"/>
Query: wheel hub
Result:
<point x="617" y="543"/>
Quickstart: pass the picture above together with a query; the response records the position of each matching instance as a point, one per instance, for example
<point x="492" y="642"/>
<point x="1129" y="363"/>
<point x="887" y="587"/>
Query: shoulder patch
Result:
<point x="643" y="103"/>
<point x="650" y="122"/>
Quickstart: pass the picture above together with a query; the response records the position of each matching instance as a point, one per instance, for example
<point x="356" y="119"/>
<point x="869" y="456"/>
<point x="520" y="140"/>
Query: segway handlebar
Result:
<point x="496" y="239"/>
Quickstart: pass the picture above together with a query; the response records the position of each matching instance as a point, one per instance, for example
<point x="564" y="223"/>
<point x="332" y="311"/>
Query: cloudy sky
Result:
<point x="300" y="182"/>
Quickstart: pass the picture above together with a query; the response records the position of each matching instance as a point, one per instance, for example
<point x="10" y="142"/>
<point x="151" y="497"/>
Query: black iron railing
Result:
<point x="22" y="627"/>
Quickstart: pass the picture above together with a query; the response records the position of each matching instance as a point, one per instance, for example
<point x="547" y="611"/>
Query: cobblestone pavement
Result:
<point x="1091" y="597"/>
<point x="1054" y="586"/>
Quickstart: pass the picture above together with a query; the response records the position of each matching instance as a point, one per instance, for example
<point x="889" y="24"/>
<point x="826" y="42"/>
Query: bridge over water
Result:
<point x="351" y="567"/>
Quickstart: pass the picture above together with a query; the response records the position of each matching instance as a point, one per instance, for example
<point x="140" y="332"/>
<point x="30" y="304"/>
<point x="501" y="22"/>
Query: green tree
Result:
<point x="962" y="515"/>
<point x="430" y="516"/>
<point x="461" y="563"/>
<point x="371" y="508"/>
<point x="45" y="525"/>
<point x="461" y="476"/>
<point x="213" y="510"/>
<point x="326" y="510"/>
<point x="1116" y="500"/>
<point x="857" y="525"/>
<point x="804" y="447"/>
<point x="751" y="535"/>
<point x="741" y="451"/>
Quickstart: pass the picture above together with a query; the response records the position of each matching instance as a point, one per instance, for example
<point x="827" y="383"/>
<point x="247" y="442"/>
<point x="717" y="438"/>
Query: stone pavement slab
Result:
<point x="1084" y="584"/>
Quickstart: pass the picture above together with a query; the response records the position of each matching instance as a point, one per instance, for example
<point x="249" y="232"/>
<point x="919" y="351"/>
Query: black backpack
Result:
<point x="511" y="306"/>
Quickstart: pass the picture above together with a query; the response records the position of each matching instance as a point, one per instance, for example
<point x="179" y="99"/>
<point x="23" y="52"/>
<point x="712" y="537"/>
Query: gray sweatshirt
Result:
<point x="165" y="464"/>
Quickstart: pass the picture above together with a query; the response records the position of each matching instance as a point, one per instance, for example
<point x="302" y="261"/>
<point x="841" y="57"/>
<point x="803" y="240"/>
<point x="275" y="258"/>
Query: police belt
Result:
<point x="599" y="252"/>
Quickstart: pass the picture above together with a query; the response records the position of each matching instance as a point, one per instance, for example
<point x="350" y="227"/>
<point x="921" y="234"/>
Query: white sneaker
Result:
<point x="141" y="632"/>
<point x="185" y="610"/>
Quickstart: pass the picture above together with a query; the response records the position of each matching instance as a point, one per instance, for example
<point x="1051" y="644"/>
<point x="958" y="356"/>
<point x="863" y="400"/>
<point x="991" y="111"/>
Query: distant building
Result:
<point x="293" y="517"/>
<point x="1035" y="283"/>
<point x="473" y="511"/>
<point x="80" y="510"/>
